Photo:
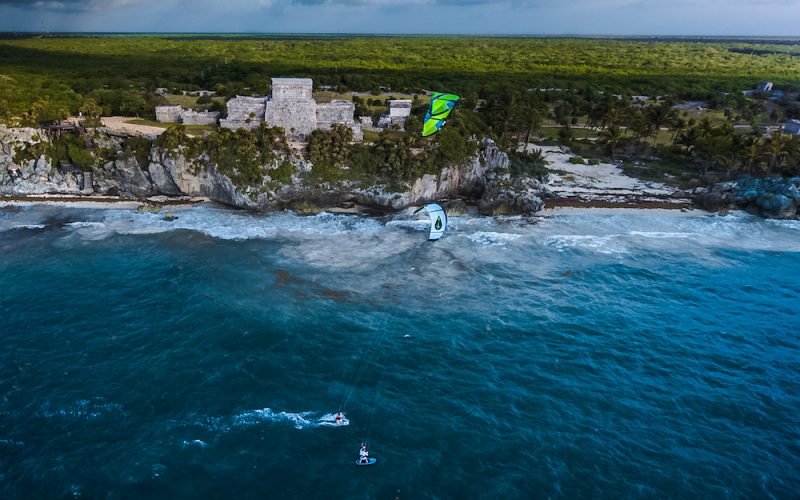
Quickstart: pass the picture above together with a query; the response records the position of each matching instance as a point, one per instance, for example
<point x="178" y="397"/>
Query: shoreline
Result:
<point x="553" y="206"/>
<point x="105" y="202"/>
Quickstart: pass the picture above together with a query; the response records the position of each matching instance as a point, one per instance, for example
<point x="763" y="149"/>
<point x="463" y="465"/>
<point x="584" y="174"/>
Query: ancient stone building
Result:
<point x="399" y="110"/>
<point x="292" y="106"/>
<point x="168" y="114"/>
<point x="244" y="112"/>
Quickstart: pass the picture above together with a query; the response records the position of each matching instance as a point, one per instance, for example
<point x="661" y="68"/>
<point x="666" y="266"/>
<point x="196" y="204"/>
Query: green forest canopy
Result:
<point x="66" y="69"/>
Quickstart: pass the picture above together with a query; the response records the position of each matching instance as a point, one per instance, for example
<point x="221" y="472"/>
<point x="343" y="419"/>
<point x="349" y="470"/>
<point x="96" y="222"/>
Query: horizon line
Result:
<point x="366" y="34"/>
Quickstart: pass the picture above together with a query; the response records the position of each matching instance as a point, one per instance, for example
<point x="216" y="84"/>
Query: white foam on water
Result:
<point x="662" y="234"/>
<point x="338" y="240"/>
<point x="492" y="239"/>
<point x="198" y="443"/>
<point x="29" y="226"/>
<point x="610" y="244"/>
<point x="81" y="224"/>
<point x="83" y="409"/>
<point x="255" y="417"/>
<point x="251" y="418"/>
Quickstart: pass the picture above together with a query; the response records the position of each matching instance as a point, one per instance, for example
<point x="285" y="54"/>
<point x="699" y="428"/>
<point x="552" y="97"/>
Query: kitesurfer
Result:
<point x="363" y="454"/>
<point x="339" y="418"/>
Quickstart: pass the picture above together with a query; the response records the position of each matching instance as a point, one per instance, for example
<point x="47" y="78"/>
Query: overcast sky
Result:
<point x="535" y="17"/>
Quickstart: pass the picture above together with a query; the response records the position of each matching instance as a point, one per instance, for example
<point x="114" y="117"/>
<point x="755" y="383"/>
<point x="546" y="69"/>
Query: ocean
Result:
<point x="584" y="354"/>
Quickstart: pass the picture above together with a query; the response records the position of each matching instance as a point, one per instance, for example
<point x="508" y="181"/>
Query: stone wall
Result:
<point x="297" y="118"/>
<point x="338" y="112"/>
<point x="190" y="117"/>
<point x="244" y="112"/>
<point x="168" y="114"/>
<point x="293" y="89"/>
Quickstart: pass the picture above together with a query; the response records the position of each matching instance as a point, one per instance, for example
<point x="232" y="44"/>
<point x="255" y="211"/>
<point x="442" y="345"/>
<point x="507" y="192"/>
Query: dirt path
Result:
<point x="119" y="123"/>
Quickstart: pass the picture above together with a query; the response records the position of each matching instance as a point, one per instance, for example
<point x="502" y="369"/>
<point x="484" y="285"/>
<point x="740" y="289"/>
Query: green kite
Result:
<point x="441" y="106"/>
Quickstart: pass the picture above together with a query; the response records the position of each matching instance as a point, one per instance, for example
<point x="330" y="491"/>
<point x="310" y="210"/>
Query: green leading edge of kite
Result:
<point x="441" y="106"/>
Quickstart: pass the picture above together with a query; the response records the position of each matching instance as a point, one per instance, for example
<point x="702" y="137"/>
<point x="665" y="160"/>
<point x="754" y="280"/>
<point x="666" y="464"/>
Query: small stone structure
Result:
<point x="291" y="107"/>
<point x="244" y="112"/>
<point x="190" y="117"/>
<point x="176" y="114"/>
<point x="168" y="114"/>
<point x="792" y="127"/>
<point x="399" y="110"/>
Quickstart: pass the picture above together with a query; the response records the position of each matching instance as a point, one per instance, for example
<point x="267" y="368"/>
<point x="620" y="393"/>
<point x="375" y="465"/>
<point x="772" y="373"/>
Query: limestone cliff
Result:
<point x="483" y="180"/>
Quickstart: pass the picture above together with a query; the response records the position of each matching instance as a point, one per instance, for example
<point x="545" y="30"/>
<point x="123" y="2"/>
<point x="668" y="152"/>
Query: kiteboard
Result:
<point x="370" y="461"/>
<point x="329" y="420"/>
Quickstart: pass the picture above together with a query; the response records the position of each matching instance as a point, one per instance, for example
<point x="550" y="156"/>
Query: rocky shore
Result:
<point x="769" y="197"/>
<point x="484" y="183"/>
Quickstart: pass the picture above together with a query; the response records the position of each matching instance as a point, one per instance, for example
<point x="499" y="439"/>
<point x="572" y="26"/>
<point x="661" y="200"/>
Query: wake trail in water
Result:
<point x="262" y="416"/>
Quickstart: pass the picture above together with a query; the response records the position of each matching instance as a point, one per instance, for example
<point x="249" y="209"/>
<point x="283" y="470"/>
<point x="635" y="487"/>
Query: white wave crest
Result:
<point x="492" y="239"/>
<point x="662" y="234"/>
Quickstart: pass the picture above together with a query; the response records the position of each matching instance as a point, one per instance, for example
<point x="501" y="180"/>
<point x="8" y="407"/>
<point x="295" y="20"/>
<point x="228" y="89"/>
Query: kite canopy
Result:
<point x="441" y="105"/>
<point x="438" y="221"/>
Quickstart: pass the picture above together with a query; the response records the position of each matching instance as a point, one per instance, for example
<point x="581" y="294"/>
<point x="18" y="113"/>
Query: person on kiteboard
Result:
<point x="339" y="418"/>
<point x="363" y="454"/>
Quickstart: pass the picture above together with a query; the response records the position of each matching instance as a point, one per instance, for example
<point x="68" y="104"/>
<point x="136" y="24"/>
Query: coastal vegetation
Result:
<point x="619" y="100"/>
<point x="120" y="73"/>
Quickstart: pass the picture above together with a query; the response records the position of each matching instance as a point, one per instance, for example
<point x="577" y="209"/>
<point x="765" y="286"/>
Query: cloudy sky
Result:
<point x="610" y="17"/>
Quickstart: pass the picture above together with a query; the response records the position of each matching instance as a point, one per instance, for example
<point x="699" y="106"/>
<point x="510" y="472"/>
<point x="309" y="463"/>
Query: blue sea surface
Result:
<point x="586" y="354"/>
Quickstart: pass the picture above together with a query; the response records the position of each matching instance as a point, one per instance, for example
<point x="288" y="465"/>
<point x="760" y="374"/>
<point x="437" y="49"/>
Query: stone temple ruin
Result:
<point x="291" y="107"/>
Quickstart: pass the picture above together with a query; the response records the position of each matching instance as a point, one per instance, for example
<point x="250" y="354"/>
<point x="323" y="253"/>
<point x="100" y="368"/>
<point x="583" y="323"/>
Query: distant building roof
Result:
<point x="305" y="81"/>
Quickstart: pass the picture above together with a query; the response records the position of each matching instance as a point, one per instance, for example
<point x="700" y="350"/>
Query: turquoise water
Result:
<point x="590" y="354"/>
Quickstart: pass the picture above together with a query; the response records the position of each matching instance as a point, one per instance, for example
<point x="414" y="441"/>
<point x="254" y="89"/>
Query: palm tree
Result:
<point x="705" y="128"/>
<point x="679" y="123"/>
<point x="728" y="161"/>
<point x="658" y="116"/>
<point x="752" y="154"/>
<point x="611" y="137"/>
<point x="530" y="119"/>
<point x="689" y="139"/>
<point x="776" y="151"/>
<point x="640" y="125"/>
<point x="502" y="116"/>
